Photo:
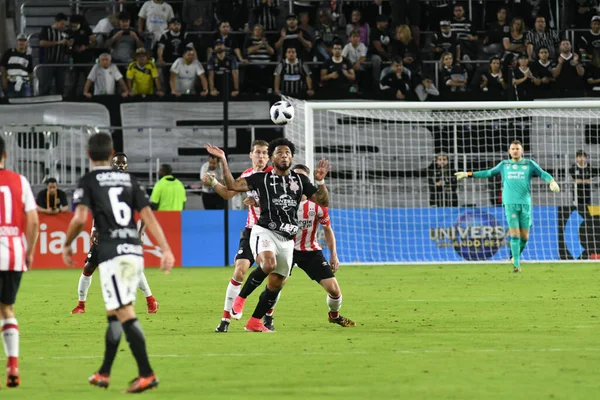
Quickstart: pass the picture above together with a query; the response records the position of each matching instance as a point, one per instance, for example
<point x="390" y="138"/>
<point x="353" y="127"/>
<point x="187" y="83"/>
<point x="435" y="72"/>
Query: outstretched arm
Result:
<point x="237" y="185"/>
<point x="538" y="171"/>
<point x="209" y="180"/>
<point x="321" y="197"/>
<point x="488" y="173"/>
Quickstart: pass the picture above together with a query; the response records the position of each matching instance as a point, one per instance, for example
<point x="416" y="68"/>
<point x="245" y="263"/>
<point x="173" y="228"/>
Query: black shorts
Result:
<point x="92" y="256"/>
<point x="314" y="264"/>
<point x="244" y="251"/>
<point x="9" y="286"/>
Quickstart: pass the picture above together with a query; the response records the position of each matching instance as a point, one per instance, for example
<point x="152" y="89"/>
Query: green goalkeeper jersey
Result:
<point x="516" y="179"/>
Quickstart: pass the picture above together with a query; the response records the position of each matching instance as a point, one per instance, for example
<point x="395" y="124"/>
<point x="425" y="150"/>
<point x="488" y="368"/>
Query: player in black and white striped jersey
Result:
<point x="272" y="239"/>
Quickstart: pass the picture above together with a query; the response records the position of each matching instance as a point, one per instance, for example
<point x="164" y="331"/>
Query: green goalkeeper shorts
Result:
<point x="518" y="215"/>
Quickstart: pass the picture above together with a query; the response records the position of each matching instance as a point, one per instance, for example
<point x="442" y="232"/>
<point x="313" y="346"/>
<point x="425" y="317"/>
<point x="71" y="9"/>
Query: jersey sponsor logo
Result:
<point x="515" y="166"/>
<point x="127" y="248"/>
<point x="125" y="233"/>
<point x="7" y="231"/>
<point x="476" y="235"/>
<point x="285" y="202"/>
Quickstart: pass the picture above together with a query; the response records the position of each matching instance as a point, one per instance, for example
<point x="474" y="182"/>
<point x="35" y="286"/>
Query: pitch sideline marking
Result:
<point x="311" y="353"/>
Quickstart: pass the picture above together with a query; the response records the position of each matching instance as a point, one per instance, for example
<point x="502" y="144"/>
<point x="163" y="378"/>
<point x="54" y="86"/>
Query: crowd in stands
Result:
<point x="329" y="48"/>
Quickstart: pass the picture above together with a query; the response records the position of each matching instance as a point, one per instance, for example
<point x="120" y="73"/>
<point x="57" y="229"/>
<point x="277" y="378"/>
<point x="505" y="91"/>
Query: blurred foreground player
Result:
<point x="113" y="197"/>
<point x="272" y="238"/>
<point x="308" y="256"/>
<point x="516" y="195"/>
<point x="18" y="234"/>
<point x="259" y="154"/>
<point x="118" y="163"/>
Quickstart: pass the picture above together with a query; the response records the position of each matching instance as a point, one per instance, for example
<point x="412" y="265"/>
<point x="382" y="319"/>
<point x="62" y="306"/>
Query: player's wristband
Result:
<point x="321" y="182"/>
<point x="470" y="174"/>
<point x="214" y="183"/>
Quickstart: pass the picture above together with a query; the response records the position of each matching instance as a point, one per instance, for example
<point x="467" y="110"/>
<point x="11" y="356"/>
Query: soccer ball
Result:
<point x="282" y="112"/>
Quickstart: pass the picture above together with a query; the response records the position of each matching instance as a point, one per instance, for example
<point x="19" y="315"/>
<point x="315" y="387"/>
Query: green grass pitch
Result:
<point x="424" y="332"/>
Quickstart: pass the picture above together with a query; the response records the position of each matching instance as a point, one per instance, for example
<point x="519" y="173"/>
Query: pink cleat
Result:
<point x="238" y="307"/>
<point x="256" y="325"/>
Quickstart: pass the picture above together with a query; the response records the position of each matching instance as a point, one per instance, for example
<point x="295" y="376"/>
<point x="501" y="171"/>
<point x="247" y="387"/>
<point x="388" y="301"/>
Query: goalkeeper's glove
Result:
<point x="461" y="175"/>
<point x="554" y="187"/>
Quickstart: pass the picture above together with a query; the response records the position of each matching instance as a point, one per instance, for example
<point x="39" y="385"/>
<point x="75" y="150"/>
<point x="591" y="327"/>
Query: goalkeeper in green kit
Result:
<point x="516" y="195"/>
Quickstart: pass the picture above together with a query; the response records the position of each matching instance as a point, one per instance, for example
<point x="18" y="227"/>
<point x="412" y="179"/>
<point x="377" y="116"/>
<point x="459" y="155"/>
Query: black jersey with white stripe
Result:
<point x="17" y="64"/>
<point x="113" y="197"/>
<point x="280" y="197"/>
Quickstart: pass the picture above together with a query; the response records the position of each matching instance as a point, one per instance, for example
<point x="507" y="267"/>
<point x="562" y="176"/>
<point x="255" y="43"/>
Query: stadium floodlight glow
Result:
<point x="386" y="209"/>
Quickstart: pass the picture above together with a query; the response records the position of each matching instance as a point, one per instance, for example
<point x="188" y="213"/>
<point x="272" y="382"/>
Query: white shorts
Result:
<point x="119" y="278"/>
<point x="262" y="239"/>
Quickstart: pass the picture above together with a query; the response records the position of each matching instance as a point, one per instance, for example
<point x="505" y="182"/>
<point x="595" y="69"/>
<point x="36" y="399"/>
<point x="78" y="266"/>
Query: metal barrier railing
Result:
<point x="42" y="151"/>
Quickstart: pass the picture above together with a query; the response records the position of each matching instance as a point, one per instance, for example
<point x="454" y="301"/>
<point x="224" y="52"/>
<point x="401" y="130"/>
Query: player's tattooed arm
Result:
<point x="322" y="196"/>
<point x="238" y="185"/>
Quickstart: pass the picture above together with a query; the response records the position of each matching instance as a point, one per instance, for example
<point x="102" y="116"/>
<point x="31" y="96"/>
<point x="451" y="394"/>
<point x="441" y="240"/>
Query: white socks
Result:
<point x="10" y="337"/>
<point x="84" y="286"/>
<point x="233" y="290"/>
<point x="334" y="303"/>
<point x="143" y="285"/>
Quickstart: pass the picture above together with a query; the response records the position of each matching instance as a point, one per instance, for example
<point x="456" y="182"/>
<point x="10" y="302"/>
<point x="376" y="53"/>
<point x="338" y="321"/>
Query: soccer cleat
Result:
<point x="342" y="321"/>
<point x="152" y="305"/>
<point x="223" y="326"/>
<point x="142" y="383"/>
<point x="99" y="380"/>
<point x="256" y="325"/>
<point x="12" y="377"/>
<point x="268" y="322"/>
<point x="238" y="307"/>
<point x="80" y="309"/>
<point x="516" y="270"/>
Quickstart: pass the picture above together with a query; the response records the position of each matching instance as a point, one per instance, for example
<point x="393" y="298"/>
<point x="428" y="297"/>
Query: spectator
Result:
<point x="171" y="43"/>
<point x="445" y="41"/>
<point x="589" y="42"/>
<point x="152" y="22"/>
<point x="337" y="74"/>
<point x="83" y="41"/>
<point x="123" y="40"/>
<point x="357" y="24"/>
<point x="453" y="78"/>
<point x="168" y="193"/>
<point x="326" y="33"/>
<point x="515" y="42"/>
<point x="593" y="74"/>
<point x="356" y="53"/>
<point x="210" y="198"/>
<point x="379" y="45"/>
<point x="492" y="80"/>
<point x="407" y="12"/>
<point x="219" y="68"/>
<point x="293" y="36"/>
<point x="568" y="70"/>
<point x="541" y="37"/>
<point x="581" y="11"/>
<point x="582" y="173"/>
<point x="292" y="77"/>
<point x="496" y="32"/>
<point x="184" y="72"/>
<point x="103" y="29"/>
<point x="542" y="71"/>
<point x="523" y="79"/>
<point x="309" y="31"/>
<point x="197" y="15"/>
<point x="53" y="50"/>
<point x="52" y="200"/>
<point x="142" y="75"/>
<point x="404" y="46"/>
<point x="259" y="53"/>
<point x="17" y="70"/>
<point x="426" y="89"/>
<point x="442" y="183"/>
<point x="439" y="11"/>
<point x="103" y="76"/>
<point x="465" y="33"/>
<point x="395" y="83"/>
<point x="232" y="47"/>
<point x="266" y="13"/>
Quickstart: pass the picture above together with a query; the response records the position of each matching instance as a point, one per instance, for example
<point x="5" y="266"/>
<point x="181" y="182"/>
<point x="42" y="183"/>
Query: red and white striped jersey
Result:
<point x="310" y="215"/>
<point x="16" y="199"/>
<point x="253" y="212"/>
